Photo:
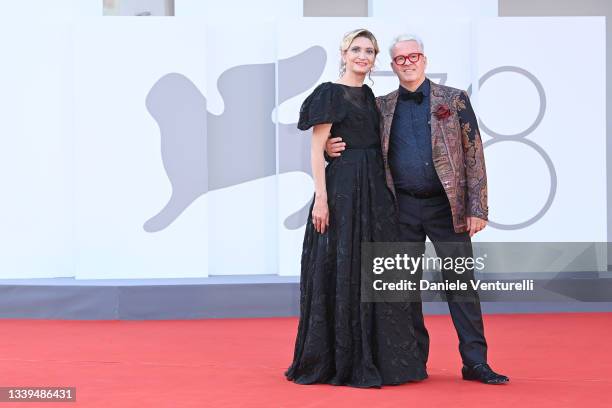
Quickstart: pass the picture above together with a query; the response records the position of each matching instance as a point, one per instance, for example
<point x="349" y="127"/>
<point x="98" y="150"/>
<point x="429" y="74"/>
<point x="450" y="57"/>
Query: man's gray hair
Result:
<point x="406" y="37"/>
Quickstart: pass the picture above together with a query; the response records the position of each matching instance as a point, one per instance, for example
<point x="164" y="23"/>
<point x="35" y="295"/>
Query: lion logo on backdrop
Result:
<point x="202" y="152"/>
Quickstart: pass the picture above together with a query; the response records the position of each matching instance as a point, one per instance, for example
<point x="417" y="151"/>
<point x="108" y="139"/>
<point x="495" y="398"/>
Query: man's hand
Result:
<point x="334" y="146"/>
<point x="475" y="224"/>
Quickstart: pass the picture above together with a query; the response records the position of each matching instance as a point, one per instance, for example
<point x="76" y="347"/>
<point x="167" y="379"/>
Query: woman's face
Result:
<point x="360" y="56"/>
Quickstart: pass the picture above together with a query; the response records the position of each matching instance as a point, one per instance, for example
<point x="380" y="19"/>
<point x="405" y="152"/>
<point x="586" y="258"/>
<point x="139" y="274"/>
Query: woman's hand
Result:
<point x="320" y="210"/>
<point x="320" y="214"/>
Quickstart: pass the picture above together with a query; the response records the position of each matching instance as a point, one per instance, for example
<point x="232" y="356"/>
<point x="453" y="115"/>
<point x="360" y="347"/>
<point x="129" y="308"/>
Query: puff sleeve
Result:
<point x="323" y="105"/>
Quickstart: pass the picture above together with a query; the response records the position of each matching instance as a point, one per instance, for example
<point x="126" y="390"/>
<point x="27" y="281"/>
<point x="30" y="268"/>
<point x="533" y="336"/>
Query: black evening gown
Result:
<point x="342" y="340"/>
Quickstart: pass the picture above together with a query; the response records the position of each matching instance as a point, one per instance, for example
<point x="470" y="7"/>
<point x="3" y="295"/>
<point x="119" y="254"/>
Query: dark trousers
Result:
<point x="431" y="217"/>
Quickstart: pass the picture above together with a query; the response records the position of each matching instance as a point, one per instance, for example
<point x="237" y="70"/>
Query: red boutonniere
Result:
<point x="442" y="111"/>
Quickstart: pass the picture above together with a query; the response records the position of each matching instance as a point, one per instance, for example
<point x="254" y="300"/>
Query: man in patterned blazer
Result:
<point x="434" y="164"/>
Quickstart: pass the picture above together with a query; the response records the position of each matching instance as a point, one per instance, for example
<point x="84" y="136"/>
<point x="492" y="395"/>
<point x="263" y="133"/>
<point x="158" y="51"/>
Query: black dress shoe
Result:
<point x="484" y="374"/>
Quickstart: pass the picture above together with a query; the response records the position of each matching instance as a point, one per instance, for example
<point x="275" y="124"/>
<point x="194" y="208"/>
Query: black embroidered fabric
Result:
<point x="342" y="340"/>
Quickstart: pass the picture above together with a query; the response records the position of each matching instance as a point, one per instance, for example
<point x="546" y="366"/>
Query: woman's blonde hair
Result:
<point x="349" y="37"/>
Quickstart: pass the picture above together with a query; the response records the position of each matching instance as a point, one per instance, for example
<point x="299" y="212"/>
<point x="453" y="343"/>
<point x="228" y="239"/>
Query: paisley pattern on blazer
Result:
<point x="456" y="149"/>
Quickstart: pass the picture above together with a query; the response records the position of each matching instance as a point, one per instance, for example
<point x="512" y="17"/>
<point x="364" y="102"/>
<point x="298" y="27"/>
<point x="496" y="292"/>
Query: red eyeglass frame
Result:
<point x="407" y="58"/>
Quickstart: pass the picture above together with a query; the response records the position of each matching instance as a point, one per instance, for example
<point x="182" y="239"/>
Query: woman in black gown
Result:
<point x="342" y="340"/>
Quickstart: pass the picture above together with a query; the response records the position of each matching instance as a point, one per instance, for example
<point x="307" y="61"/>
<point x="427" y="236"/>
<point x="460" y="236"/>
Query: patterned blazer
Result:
<point x="456" y="149"/>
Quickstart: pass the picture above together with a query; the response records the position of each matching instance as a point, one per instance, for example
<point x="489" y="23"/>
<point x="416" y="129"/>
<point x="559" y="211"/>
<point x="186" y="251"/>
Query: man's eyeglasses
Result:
<point x="413" y="57"/>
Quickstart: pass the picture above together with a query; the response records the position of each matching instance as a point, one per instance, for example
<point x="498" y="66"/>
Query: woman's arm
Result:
<point x="320" y="211"/>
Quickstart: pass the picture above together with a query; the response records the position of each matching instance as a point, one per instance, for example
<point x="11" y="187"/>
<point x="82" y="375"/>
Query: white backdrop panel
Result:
<point x="120" y="178"/>
<point x="572" y="131"/>
<point x="36" y="156"/>
<point x="56" y="9"/>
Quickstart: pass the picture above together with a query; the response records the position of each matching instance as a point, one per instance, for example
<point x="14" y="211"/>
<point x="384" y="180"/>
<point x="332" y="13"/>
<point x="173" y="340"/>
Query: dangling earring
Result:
<point x="370" y="75"/>
<point x="342" y="68"/>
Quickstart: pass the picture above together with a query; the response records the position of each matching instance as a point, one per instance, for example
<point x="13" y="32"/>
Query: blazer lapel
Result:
<point x="436" y="98"/>
<point x="387" y="112"/>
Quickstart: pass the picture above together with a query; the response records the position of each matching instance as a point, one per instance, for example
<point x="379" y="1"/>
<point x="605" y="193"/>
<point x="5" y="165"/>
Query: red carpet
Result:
<point x="553" y="360"/>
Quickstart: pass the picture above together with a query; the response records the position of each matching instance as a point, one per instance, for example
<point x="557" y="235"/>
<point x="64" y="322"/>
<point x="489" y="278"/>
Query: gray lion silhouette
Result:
<point x="202" y="152"/>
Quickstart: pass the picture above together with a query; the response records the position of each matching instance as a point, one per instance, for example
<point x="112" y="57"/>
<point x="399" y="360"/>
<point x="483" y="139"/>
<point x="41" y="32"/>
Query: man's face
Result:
<point x="408" y="71"/>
